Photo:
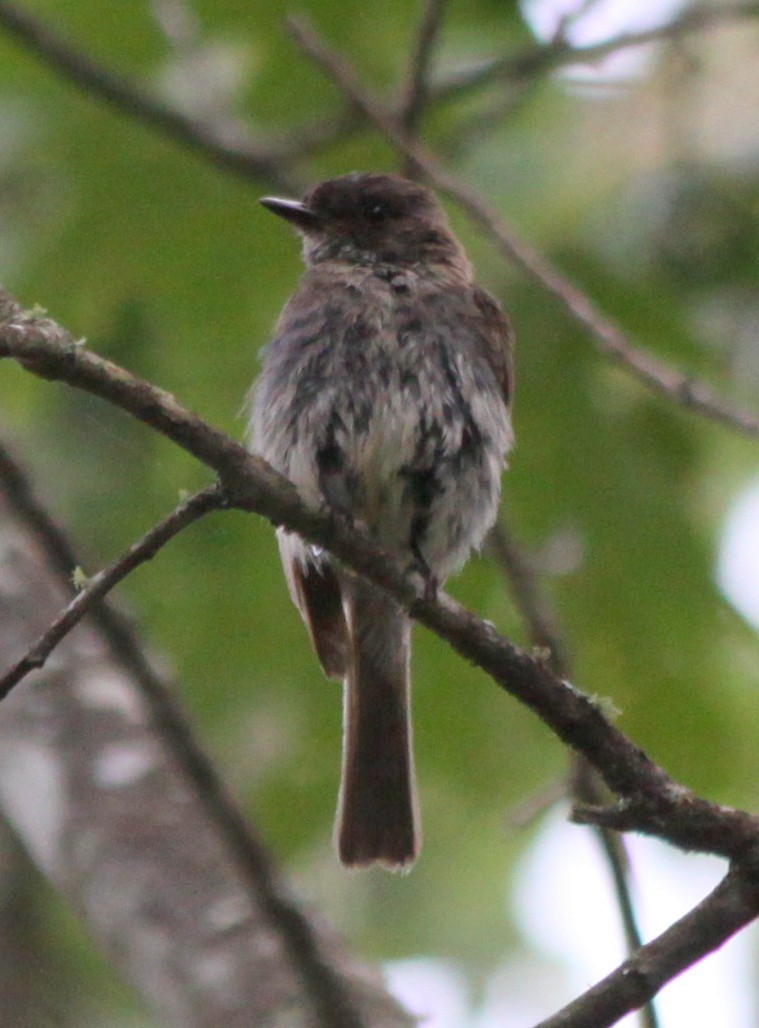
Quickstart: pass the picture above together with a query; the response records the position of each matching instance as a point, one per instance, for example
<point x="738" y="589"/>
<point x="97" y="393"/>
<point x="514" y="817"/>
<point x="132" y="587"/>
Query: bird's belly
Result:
<point x="420" y="470"/>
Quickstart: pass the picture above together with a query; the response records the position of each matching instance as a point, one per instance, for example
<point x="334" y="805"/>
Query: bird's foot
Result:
<point x="421" y="567"/>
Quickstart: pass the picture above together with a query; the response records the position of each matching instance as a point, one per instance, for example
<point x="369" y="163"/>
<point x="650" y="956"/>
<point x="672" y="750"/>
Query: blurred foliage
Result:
<point x="169" y="266"/>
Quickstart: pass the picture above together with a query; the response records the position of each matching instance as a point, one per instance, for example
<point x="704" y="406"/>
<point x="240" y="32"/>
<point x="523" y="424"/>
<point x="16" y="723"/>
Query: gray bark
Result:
<point x="107" y="812"/>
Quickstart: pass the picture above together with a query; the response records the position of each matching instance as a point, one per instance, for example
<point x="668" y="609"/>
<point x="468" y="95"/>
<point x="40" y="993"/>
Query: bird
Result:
<point x="384" y="396"/>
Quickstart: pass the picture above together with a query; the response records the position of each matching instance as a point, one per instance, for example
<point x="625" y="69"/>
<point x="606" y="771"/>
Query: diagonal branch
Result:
<point x="609" y="339"/>
<point x="416" y="88"/>
<point x="104" y="581"/>
<point x="226" y="144"/>
<point x="539" y="618"/>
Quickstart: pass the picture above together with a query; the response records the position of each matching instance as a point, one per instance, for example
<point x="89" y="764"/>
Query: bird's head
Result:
<point x="367" y="218"/>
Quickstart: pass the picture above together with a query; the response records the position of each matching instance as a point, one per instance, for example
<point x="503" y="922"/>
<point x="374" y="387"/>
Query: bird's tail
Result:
<point x="377" y="818"/>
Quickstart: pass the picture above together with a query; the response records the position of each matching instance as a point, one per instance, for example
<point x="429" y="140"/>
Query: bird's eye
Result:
<point x="377" y="212"/>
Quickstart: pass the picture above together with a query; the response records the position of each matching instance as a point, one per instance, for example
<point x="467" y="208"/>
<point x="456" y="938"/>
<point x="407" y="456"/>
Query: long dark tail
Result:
<point x="376" y="820"/>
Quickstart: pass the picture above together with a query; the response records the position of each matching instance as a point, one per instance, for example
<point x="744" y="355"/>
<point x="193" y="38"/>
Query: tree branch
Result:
<point x="226" y="144"/>
<point x="415" y="91"/>
<point x="520" y="70"/>
<point x="609" y="339"/>
<point x="101" y="584"/>
<point x="541" y="624"/>
<point x="526" y="592"/>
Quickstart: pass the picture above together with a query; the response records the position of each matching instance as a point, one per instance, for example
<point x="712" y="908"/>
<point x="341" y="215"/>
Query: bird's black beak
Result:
<point x="297" y="213"/>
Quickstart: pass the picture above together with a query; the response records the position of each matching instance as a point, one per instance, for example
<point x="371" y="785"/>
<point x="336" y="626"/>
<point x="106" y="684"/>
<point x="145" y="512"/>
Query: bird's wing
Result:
<point x="496" y="337"/>
<point x="315" y="591"/>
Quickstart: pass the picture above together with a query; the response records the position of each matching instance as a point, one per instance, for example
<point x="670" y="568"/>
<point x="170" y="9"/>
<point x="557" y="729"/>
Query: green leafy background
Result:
<point x="169" y="266"/>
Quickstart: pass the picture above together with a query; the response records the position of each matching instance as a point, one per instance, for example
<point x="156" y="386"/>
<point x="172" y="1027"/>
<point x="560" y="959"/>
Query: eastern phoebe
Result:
<point x="385" y="394"/>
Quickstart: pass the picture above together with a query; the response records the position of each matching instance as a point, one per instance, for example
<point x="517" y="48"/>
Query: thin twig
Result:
<point x="560" y="53"/>
<point x="415" y="90"/>
<point x="587" y="788"/>
<point x="226" y="144"/>
<point x="541" y="623"/>
<point x="333" y="1005"/>
<point x="539" y="617"/>
<point x="104" y="581"/>
<point x="515" y="88"/>
<point x="568" y="20"/>
<point x="609" y="339"/>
